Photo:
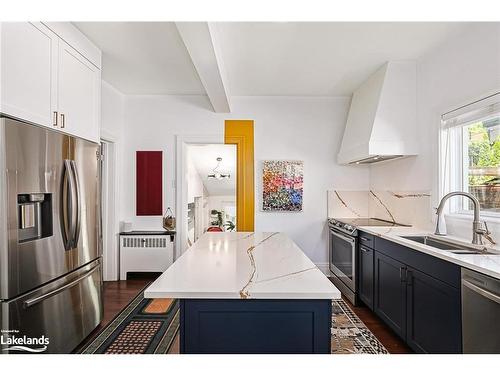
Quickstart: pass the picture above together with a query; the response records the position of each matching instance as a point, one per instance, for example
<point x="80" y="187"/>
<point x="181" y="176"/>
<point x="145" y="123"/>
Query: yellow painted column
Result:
<point x="240" y="133"/>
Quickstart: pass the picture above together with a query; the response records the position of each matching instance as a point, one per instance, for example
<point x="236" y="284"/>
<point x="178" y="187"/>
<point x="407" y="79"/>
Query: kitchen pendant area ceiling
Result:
<point x="204" y="159"/>
<point x="261" y="58"/>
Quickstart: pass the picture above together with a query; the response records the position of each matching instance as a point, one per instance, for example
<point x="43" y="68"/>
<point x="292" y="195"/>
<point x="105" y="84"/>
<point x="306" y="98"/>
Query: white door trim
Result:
<point x="180" y="183"/>
<point x="110" y="202"/>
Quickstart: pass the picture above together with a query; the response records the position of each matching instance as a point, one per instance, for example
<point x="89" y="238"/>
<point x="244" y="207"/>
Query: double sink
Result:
<point x="450" y="246"/>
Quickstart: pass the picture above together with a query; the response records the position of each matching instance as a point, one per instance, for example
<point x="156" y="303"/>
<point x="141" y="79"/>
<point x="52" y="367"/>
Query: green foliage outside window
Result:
<point x="483" y="153"/>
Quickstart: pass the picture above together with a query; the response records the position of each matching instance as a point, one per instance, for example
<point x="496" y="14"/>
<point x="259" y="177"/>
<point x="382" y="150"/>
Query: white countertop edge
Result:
<point x="393" y="237"/>
<point x="235" y="296"/>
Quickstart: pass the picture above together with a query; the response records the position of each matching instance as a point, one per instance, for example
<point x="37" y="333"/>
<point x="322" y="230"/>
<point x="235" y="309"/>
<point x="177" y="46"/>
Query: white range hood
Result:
<point x="381" y="124"/>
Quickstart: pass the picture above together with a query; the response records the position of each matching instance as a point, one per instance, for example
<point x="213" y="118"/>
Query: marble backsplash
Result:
<point x="405" y="207"/>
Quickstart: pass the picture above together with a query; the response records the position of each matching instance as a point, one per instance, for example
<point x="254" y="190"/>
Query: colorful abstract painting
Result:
<point x="282" y="185"/>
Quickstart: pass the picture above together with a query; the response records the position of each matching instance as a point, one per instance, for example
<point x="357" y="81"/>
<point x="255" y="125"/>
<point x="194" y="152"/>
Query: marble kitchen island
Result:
<point x="244" y="292"/>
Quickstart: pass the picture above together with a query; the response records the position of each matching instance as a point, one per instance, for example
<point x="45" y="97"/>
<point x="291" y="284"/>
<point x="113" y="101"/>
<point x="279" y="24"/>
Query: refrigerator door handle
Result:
<point x="78" y="206"/>
<point x="66" y="209"/>
<point x="33" y="301"/>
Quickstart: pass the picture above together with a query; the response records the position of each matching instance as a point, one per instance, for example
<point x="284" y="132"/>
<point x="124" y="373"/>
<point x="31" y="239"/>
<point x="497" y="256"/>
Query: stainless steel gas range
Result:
<point x="343" y="252"/>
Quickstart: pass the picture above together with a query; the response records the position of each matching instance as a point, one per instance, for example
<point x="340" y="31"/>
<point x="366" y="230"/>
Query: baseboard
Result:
<point x="324" y="267"/>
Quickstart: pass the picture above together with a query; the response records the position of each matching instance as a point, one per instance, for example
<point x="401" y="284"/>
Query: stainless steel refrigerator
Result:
<point x="50" y="240"/>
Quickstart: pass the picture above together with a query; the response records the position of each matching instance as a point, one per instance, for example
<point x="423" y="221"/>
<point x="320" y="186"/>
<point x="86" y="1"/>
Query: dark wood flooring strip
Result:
<point x="389" y="339"/>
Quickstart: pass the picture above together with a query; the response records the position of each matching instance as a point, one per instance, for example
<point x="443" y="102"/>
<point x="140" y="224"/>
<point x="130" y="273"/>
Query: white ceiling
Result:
<point x="204" y="159"/>
<point x="144" y="57"/>
<point x="320" y="59"/>
<point x="273" y="58"/>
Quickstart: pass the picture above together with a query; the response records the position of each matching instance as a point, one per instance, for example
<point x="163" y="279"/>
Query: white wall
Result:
<point x="112" y="105"/>
<point x="112" y="130"/>
<point x="195" y="187"/>
<point x="464" y="69"/>
<point x="308" y="129"/>
<point x="151" y="123"/>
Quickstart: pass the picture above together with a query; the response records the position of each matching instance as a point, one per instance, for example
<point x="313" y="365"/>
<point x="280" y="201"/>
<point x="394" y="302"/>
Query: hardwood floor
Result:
<point x="117" y="294"/>
<point x="381" y="331"/>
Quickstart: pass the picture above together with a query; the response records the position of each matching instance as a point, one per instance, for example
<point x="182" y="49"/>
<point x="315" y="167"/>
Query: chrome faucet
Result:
<point x="478" y="231"/>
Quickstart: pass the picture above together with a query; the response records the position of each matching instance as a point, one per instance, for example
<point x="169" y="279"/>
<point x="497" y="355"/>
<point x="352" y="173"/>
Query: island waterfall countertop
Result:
<point x="239" y="265"/>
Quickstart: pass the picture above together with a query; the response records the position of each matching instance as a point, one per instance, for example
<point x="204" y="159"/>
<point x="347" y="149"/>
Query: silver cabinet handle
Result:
<point x="54" y="122"/>
<point x="364" y="239"/>
<point x="63" y="121"/>
<point x="481" y="291"/>
<point x="402" y="274"/>
<point x="39" y="299"/>
<point x="408" y="277"/>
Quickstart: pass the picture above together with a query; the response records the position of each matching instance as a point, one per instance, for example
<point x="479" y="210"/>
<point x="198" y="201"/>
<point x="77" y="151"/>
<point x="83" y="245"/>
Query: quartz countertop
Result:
<point x="488" y="264"/>
<point x="240" y="265"/>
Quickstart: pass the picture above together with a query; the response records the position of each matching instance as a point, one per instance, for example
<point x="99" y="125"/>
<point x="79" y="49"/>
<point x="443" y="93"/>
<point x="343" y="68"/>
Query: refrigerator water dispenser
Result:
<point x="35" y="216"/>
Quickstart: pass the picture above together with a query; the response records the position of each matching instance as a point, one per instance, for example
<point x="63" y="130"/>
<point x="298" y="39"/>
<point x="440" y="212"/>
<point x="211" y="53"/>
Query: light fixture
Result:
<point x="217" y="174"/>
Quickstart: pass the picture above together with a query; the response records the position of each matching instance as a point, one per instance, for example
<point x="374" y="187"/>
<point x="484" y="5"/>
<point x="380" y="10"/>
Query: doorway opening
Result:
<point x="211" y="189"/>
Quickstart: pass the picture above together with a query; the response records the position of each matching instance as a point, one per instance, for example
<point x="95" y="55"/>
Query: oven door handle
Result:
<point x="481" y="291"/>
<point x="345" y="238"/>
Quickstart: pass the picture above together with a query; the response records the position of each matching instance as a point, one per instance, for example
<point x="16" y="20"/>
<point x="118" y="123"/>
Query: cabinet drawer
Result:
<point x="435" y="267"/>
<point x="366" y="239"/>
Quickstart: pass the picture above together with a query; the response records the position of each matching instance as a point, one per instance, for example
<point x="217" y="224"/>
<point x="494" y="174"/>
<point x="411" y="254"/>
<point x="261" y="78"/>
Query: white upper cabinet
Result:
<point x="50" y="76"/>
<point x="28" y="80"/>
<point x="79" y="84"/>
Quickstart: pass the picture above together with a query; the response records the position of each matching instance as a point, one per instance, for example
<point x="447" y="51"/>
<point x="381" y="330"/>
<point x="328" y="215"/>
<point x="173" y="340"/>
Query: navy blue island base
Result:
<point x="255" y="326"/>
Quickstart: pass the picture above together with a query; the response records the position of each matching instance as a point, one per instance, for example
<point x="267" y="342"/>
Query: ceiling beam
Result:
<point x="200" y="39"/>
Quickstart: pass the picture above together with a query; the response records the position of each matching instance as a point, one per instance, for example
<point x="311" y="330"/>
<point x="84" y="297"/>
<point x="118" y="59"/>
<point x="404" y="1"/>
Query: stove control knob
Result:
<point x="349" y="228"/>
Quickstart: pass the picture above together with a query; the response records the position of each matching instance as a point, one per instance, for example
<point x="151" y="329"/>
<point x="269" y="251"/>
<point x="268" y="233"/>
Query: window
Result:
<point x="470" y="155"/>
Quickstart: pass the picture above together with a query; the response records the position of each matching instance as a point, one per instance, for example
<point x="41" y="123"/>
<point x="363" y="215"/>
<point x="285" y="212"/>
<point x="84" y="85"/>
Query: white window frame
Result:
<point x="453" y="151"/>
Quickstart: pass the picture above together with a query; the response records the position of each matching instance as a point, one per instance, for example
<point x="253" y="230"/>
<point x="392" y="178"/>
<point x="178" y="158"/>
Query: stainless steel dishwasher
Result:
<point x="480" y="313"/>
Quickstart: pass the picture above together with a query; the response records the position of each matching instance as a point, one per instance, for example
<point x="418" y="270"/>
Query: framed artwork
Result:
<point x="282" y="185"/>
<point x="149" y="190"/>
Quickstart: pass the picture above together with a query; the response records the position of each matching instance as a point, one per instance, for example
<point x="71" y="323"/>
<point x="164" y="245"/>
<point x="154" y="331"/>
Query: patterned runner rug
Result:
<point x="149" y="326"/>
<point x="145" y="326"/>
<point x="350" y="335"/>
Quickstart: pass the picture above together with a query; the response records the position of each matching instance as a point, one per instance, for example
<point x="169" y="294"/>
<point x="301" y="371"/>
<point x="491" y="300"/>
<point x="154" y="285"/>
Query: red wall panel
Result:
<point x="149" y="183"/>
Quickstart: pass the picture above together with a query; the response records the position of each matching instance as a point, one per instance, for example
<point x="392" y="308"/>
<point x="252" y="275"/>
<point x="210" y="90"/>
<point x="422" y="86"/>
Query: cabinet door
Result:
<point x="366" y="275"/>
<point x="390" y="293"/>
<point x="78" y="94"/>
<point x="28" y="72"/>
<point x="433" y="315"/>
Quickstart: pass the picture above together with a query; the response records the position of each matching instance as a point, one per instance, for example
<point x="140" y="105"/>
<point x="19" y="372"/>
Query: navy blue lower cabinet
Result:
<point x="433" y="315"/>
<point x="390" y="293"/>
<point x="418" y="296"/>
<point x="256" y="326"/>
<point x="366" y="275"/>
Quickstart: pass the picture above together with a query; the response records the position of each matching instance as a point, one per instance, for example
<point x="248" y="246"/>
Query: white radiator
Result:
<point x="145" y="253"/>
